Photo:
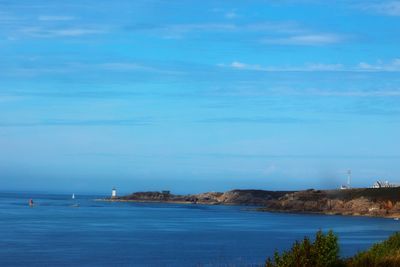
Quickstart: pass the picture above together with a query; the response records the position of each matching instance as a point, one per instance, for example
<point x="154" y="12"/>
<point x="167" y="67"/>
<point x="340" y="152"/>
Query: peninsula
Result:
<point x="380" y="202"/>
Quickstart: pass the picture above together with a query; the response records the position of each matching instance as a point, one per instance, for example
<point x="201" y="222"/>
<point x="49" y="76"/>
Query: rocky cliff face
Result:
<point x="363" y="201"/>
<point x="250" y="197"/>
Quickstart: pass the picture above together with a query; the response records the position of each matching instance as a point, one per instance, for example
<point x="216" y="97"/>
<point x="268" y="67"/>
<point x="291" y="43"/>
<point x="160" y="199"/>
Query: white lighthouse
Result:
<point x="113" y="193"/>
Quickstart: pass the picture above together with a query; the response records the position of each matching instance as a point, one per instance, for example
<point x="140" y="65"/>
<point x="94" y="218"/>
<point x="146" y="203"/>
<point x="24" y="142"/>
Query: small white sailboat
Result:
<point x="73" y="196"/>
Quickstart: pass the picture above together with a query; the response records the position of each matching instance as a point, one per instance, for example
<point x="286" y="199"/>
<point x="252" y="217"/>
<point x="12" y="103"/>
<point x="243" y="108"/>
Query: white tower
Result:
<point x="113" y="193"/>
<point x="349" y="179"/>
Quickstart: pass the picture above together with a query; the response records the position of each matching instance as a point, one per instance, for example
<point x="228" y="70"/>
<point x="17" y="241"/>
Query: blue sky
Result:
<point x="198" y="95"/>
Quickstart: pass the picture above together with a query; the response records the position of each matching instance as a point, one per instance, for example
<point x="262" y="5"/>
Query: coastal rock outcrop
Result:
<point x="383" y="202"/>
<point x="233" y="197"/>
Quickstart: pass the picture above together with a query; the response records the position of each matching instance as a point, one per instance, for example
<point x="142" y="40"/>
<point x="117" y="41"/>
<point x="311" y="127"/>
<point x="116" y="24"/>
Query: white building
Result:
<point x="113" y="193"/>
<point x="384" y="184"/>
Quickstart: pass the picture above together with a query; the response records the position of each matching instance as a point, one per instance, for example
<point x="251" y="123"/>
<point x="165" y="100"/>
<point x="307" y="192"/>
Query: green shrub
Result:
<point x="386" y="253"/>
<point x="323" y="252"/>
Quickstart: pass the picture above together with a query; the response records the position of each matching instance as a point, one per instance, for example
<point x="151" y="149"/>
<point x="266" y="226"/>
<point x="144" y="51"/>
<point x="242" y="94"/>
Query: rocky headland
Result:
<point x="234" y="197"/>
<point x="381" y="202"/>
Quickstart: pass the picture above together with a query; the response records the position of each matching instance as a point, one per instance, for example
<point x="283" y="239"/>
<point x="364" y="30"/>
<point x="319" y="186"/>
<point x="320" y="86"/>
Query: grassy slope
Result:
<point x="374" y="194"/>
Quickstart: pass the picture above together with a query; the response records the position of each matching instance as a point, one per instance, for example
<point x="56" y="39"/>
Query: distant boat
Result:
<point x="73" y="196"/>
<point x="396" y="219"/>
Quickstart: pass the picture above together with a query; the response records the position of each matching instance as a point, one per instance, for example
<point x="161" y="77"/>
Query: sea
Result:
<point x="61" y="231"/>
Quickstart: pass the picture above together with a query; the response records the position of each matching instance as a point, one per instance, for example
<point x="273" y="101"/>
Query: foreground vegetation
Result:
<point x="323" y="251"/>
<point x="386" y="253"/>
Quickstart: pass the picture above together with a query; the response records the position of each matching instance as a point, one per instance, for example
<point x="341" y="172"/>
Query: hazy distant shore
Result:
<point x="376" y="202"/>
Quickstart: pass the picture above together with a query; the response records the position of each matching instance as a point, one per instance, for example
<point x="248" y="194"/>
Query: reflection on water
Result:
<point x="59" y="232"/>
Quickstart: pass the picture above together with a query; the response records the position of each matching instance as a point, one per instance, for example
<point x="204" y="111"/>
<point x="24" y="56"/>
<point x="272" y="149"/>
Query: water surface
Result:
<point x="54" y="233"/>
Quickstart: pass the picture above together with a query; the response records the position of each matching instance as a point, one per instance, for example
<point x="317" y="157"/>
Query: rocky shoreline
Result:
<point x="377" y="202"/>
<point x="233" y="197"/>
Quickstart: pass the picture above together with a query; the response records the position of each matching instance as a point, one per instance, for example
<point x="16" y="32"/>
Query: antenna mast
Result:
<point x="349" y="179"/>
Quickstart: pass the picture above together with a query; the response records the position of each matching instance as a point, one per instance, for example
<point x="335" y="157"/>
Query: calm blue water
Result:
<point x="135" y="234"/>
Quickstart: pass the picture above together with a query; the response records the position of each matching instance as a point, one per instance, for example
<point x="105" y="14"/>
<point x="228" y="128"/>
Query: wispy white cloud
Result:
<point x="349" y="93"/>
<point x="133" y="66"/>
<point x="293" y="156"/>
<point x="306" y="39"/>
<point x="262" y="120"/>
<point x="240" y="65"/>
<point x="124" y="66"/>
<point x="324" y="67"/>
<point x="49" y="25"/>
<point x="178" y="31"/>
<point x="15" y="26"/>
<point x="55" y="18"/>
<point x="391" y="8"/>
<point x="285" y="32"/>
<point x="227" y="13"/>
<point x="257" y="91"/>
<point x="80" y="123"/>
<point x="380" y="66"/>
<point x="231" y="15"/>
<point x="267" y="32"/>
<point x="59" y="32"/>
<point x="393" y="65"/>
<point x="307" y="67"/>
<point x="40" y="68"/>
